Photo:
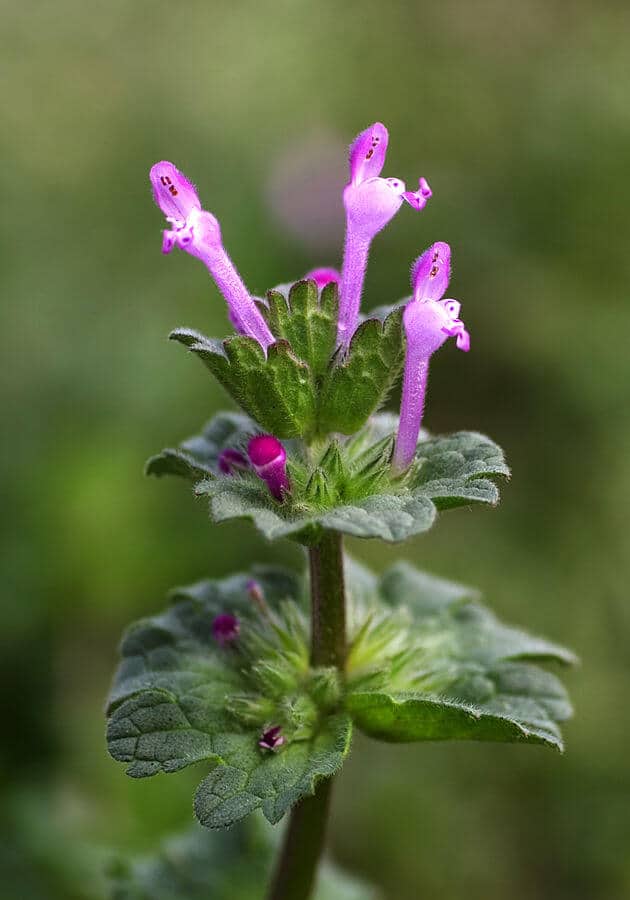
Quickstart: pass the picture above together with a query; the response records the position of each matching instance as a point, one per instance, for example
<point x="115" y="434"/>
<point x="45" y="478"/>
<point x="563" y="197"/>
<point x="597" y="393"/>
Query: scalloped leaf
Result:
<point x="307" y="320"/>
<point x="179" y="698"/>
<point x="479" y="635"/>
<point x="451" y="471"/>
<point x="426" y="661"/>
<point x="245" y="782"/>
<point x="277" y="391"/>
<point x="432" y="663"/>
<point x="355" y="388"/>
<point x="403" y="717"/>
<point x="197" y="456"/>
<point x="230" y="865"/>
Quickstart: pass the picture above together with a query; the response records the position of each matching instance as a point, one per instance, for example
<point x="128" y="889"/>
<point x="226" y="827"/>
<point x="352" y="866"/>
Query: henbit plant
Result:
<point x="265" y="675"/>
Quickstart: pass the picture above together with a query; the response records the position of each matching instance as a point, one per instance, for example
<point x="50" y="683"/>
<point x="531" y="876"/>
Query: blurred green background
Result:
<point x="518" y="113"/>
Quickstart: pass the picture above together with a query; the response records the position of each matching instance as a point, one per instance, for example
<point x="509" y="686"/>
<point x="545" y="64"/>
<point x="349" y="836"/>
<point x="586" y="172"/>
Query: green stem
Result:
<point x="328" y="602"/>
<point x="294" y="877"/>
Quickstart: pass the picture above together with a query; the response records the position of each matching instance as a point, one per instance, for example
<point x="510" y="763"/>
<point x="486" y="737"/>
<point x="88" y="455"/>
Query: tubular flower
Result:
<point x="428" y="321"/>
<point x="269" y="461"/>
<point x="370" y="202"/>
<point x="198" y="233"/>
<point x="225" y="628"/>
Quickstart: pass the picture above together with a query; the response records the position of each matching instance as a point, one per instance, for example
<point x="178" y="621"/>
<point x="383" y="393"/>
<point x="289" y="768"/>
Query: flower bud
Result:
<point x="269" y="461"/>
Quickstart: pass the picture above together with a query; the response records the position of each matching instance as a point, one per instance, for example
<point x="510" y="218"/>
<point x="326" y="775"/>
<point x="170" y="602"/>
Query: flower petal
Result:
<point x="367" y="153"/>
<point x="431" y="272"/>
<point x="419" y="199"/>
<point x="173" y="193"/>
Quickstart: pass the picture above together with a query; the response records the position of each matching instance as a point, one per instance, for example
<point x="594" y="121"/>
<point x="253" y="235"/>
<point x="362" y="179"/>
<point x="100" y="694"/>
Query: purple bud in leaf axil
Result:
<point x="269" y="461"/>
<point x="428" y="322"/>
<point x="225" y="628"/>
<point x="272" y="739"/>
<point x="370" y="202"/>
<point x="323" y="276"/>
<point x="198" y="233"/>
<point x="256" y="593"/>
<point x="231" y="461"/>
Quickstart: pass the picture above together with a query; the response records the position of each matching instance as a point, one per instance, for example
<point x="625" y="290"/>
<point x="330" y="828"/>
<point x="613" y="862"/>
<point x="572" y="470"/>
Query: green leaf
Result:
<point x="426" y="661"/>
<point x="431" y="663"/>
<point x="401" y="716"/>
<point x="179" y="698"/>
<point x="452" y="469"/>
<point x="197" y="457"/>
<point x="355" y="388"/>
<point x="307" y="321"/>
<point x="235" y="864"/>
<point x="278" y="391"/>
<point x="358" y="496"/>
<point x="244" y="781"/>
<point x="433" y="600"/>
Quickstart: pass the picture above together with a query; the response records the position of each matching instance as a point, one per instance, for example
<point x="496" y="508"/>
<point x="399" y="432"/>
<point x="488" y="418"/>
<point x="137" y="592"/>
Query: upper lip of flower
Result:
<point x="175" y="195"/>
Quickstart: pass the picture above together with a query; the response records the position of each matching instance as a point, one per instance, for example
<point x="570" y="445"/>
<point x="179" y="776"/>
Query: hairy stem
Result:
<point x="328" y="602"/>
<point x="294" y="877"/>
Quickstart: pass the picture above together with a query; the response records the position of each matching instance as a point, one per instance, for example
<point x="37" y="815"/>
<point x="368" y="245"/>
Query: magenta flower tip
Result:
<point x="272" y="739"/>
<point x="269" y="460"/>
<point x="231" y="461"/>
<point x="265" y="449"/>
<point x="323" y="276"/>
<point x="225" y="628"/>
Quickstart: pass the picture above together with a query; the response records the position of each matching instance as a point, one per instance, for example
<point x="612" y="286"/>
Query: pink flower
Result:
<point x="428" y="321"/>
<point x="269" y="461"/>
<point x="198" y="233"/>
<point x="370" y="202"/>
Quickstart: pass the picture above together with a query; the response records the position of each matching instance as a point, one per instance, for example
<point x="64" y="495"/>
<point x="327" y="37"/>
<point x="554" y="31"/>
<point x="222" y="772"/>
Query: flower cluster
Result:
<point x="370" y="202"/>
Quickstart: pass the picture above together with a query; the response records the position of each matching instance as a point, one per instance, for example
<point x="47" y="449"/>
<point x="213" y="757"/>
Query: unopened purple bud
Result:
<point x="323" y="276"/>
<point x="431" y="272"/>
<point x="256" y="593"/>
<point x="225" y="628"/>
<point x="272" y="739"/>
<point x="231" y="461"/>
<point x="198" y="233"/>
<point x="269" y="461"/>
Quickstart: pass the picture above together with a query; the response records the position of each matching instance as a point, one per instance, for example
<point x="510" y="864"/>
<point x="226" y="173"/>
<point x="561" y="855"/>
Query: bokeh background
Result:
<point x="518" y="113"/>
